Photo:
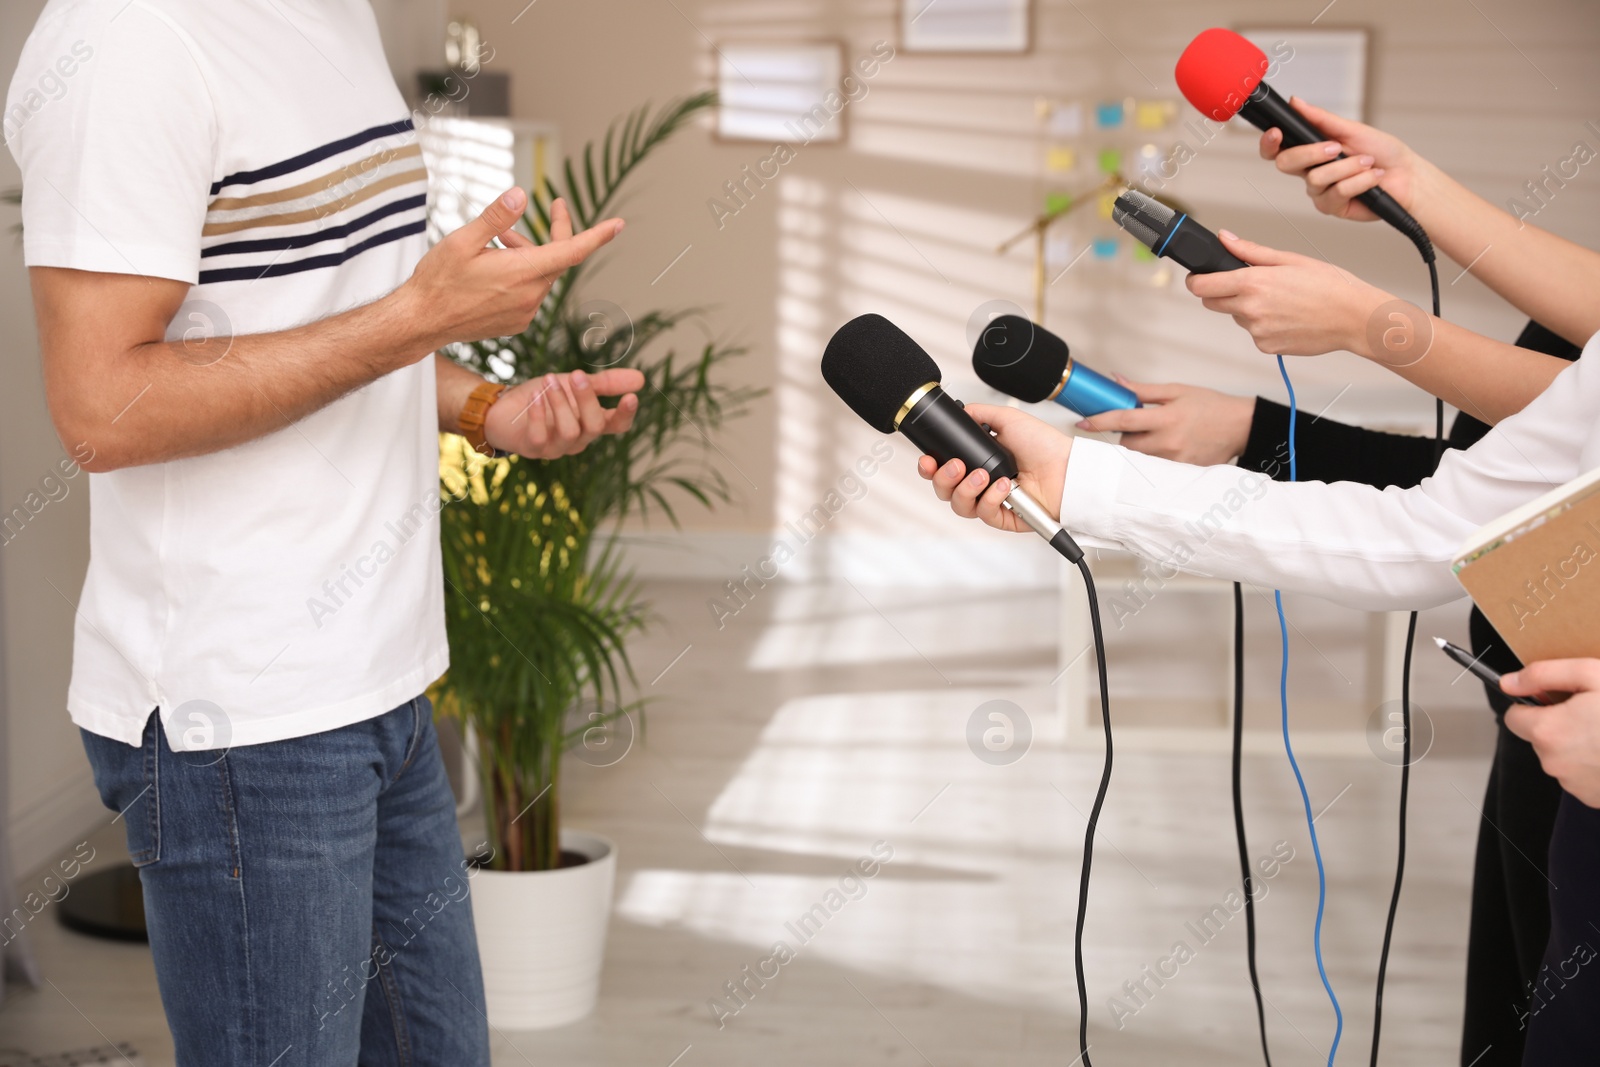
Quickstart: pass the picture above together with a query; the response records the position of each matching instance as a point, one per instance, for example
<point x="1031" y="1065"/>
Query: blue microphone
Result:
<point x="1027" y="361"/>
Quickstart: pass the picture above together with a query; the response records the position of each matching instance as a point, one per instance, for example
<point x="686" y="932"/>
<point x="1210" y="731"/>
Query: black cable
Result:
<point x="1419" y="237"/>
<point x="1238" y="815"/>
<point x="1094" y="812"/>
<point x="1400" y="857"/>
<point x="1405" y="726"/>
<point x="1064" y="544"/>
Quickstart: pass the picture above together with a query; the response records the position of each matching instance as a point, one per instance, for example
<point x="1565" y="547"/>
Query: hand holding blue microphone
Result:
<point x="1187" y="423"/>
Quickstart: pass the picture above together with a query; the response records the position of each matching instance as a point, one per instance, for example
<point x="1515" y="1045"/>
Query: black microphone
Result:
<point x="1221" y="74"/>
<point x="1024" y="360"/>
<point x="1167" y="233"/>
<point x="890" y="382"/>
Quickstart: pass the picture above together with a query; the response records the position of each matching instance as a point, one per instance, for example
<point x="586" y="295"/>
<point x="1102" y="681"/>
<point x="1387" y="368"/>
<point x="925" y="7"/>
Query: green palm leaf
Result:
<point x="538" y="602"/>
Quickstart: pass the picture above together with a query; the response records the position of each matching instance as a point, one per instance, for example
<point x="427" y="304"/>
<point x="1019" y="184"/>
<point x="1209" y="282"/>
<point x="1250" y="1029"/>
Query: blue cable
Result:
<point x="1305" y="797"/>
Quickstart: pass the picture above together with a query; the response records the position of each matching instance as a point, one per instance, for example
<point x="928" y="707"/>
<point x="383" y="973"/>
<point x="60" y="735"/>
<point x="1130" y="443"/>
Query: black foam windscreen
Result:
<point x="1020" y="359"/>
<point x="875" y="367"/>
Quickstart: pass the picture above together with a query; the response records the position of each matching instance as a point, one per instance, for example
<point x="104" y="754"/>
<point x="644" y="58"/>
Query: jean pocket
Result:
<point x="128" y="779"/>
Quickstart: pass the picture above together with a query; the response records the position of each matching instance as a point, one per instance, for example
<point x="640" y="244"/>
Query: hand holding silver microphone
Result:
<point x="1040" y="451"/>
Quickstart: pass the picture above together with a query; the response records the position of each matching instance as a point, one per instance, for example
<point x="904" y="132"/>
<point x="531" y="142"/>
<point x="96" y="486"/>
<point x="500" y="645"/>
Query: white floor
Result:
<point x="822" y="720"/>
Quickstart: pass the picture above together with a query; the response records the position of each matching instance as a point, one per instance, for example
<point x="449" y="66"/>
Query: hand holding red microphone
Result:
<point x="1223" y="75"/>
<point x="1370" y="157"/>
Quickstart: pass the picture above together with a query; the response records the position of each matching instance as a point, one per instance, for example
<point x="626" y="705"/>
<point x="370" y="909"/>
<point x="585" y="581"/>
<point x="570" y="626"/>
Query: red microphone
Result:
<point x="1222" y="74"/>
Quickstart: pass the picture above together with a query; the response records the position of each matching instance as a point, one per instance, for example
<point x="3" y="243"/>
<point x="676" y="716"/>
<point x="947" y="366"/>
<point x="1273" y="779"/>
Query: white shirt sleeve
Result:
<point x="112" y="125"/>
<point x="1376" y="549"/>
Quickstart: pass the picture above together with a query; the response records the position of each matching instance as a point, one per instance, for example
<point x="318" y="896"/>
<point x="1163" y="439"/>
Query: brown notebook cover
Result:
<point x="1535" y="573"/>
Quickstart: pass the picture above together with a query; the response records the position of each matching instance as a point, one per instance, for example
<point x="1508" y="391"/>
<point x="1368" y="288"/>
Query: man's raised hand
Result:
<point x="468" y="289"/>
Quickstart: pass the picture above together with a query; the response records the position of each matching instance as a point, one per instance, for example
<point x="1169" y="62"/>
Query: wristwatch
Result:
<point x="473" y="414"/>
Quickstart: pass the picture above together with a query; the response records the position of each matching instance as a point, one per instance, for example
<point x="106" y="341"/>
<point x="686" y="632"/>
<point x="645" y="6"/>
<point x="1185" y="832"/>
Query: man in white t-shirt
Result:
<point x="223" y="222"/>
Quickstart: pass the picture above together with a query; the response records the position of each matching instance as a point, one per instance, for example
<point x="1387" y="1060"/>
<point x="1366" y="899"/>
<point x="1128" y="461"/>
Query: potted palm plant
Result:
<point x="540" y="604"/>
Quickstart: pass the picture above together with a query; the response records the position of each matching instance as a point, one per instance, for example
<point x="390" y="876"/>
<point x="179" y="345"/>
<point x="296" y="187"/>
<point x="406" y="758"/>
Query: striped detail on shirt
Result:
<point x="316" y="155"/>
<point x="318" y="209"/>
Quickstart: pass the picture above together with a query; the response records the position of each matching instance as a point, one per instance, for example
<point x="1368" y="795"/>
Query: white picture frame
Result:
<point x="780" y="92"/>
<point x="1325" y="65"/>
<point x="996" y="27"/>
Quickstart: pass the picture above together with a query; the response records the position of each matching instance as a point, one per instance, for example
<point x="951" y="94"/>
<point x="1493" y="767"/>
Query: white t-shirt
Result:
<point x="258" y="150"/>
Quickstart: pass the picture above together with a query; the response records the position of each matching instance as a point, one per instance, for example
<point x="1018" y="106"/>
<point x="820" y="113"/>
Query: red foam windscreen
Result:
<point x="1218" y="71"/>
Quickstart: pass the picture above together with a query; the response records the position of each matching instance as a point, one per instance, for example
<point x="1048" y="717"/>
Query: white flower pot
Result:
<point x="542" y="936"/>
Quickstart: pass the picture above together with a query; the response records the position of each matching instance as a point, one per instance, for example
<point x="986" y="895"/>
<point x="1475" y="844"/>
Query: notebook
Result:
<point x="1535" y="573"/>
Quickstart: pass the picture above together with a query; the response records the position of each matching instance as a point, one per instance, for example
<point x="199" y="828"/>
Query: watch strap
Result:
<point x="474" y="413"/>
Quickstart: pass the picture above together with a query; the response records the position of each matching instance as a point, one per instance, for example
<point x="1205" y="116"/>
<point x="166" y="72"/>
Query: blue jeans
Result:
<point x="307" y="899"/>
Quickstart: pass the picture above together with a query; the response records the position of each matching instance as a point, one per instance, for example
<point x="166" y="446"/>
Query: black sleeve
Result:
<point x="1328" y="451"/>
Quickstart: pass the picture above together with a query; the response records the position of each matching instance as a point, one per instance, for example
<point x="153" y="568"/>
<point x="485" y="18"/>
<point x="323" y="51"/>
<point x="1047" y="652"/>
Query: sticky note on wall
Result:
<point x="1105" y="247"/>
<point x="1058" y="251"/>
<point x="1060" y="159"/>
<point x="1154" y="114"/>
<point x="1056" y="202"/>
<point x="1110" y="160"/>
<point x="1108" y="114"/>
<point x="1066" y="119"/>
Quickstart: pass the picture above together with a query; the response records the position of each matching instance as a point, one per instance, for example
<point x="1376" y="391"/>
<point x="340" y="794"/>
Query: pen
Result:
<point x="1487" y="674"/>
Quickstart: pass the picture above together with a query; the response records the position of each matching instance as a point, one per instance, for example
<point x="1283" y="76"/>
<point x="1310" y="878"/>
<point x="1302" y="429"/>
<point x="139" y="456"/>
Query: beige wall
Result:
<point x="941" y="163"/>
<point x="413" y="36"/>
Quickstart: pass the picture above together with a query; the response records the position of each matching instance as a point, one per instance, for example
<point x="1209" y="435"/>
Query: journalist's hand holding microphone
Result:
<point x="1188" y="423"/>
<point x="1041" y="453"/>
<point x="1373" y="158"/>
<point x="1295" y="305"/>
<point x="1291" y="305"/>
<point x="1546" y="277"/>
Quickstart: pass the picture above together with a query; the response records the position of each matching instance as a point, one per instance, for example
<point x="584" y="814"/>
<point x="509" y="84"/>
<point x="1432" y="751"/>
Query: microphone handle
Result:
<point x="1089" y="392"/>
<point x="1265" y="109"/>
<point x="1038" y="519"/>
<point x="1197" y="249"/>
<point x="940" y="426"/>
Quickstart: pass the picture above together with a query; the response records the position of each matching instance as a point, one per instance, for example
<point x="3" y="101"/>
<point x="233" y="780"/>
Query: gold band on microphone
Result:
<point x="911" y="401"/>
<point x="1064" y="376"/>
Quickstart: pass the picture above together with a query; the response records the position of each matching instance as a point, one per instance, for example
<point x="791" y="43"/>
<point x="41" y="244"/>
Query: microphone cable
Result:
<point x="1405" y="763"/>
<point x="1288" y="747"/>
<point x="1405" y="719"/>
<point x="1238" y="816"/>
<point x="1068" y="548"/>
<point x="1419" y="237"/>
<point x="1063" y="543"/>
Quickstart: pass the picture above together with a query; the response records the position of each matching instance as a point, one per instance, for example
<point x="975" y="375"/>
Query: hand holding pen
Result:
<point x="1488" y="675"/>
